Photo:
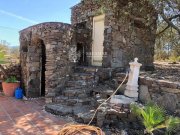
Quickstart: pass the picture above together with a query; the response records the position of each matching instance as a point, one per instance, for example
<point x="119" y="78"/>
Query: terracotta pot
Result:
<point x="9" y="88"/>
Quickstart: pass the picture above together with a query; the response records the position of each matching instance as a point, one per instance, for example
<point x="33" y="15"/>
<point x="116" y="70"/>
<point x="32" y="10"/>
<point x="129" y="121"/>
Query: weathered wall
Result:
<point x="163" y="92"/>
<point x="123" y="39"/>
<point x="56" y="39"/>
<point x="10" y="70"/>
<point x="81" y="38"/>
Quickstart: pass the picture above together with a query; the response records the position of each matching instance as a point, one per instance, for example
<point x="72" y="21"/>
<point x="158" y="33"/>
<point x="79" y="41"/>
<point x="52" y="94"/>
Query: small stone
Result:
<point x="123" y="132"/>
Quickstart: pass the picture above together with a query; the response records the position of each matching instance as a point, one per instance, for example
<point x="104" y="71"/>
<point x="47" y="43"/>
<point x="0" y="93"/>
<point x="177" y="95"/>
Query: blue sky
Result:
<point x="16" y="15"/>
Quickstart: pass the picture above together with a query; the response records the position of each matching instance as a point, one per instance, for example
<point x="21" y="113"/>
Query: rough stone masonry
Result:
<point x="51" y="42"/>
<point x="44" y="47"/>
<point x="124" y="39"/>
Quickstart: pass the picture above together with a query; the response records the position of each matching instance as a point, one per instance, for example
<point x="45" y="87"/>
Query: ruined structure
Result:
<point x="115" y="39"/>
<point x="44" y="58"/>
<point x="102" y="44"/>
<point x="101" y="39"/>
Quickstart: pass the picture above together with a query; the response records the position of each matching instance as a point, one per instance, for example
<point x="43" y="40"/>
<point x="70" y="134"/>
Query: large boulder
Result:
<point x="144" y="95"/>
<point x="168" y="101"/>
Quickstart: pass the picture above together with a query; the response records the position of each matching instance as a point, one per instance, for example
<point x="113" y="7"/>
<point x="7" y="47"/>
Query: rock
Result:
<point x="178" y="113"/>
<point x="59" y="109"/>
<point x="170" y="90"/>
<point x="122" y="89"/>
<point x="100" y="118"/>
<point x="168" y="101"/>
<point x="121" y="99"/>
<point x="144" y="95"/>
<point x="123" y="132"/>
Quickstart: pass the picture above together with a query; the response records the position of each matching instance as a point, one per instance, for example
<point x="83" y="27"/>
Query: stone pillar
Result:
<point x="132" y="84"/>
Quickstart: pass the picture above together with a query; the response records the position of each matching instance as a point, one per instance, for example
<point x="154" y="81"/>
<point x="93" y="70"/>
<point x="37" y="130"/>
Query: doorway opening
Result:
<point x="81" y="50"/>
<point x="43" y="69"/>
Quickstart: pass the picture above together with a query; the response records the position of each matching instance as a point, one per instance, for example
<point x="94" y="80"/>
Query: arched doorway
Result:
<point x="43" y="69"/>
<point x="37" y="68"/>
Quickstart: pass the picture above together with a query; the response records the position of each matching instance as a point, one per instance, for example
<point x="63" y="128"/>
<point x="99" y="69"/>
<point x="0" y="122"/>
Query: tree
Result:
<point x="8" y="54"/>
<point x="169" y="13"/>
<point x="3" y="53"/>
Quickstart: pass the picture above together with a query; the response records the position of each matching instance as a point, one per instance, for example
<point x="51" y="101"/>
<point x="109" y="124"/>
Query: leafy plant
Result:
<point x="155" y="118"/>
<point x="12" y="79"/>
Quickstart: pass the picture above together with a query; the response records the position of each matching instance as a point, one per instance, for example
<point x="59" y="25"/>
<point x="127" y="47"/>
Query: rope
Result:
<point x="80" y="130"/>
<point x="108" y="98"/>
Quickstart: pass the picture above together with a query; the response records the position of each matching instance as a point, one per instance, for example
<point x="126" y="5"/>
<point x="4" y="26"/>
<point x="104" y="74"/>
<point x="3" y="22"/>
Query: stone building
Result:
<point x="112" y="41"/>
<point x="44" y="57"/>
<point x="101" y="39"/>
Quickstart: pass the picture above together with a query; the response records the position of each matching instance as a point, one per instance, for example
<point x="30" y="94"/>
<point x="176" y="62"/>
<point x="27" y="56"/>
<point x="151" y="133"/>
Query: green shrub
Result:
<point x="173" y="59"/>
<point x="178" y="59"/>
<point x="12" y="79"/>
<point x="155" y="118"/>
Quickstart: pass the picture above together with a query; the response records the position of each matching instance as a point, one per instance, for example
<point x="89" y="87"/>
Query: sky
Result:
<point x="16" y="15"/>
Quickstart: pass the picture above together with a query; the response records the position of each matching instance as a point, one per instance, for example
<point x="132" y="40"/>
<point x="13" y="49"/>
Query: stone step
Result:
<point x="82" y="76"/>
<point x="104" y="91"/>
<point x="59" y="109"/>
<point x="86" y="69"/>
<point x="82" y="114"/>
<point x="78" y="93"/>
<point x="85" y="116"/>
<point x="79" y="83"/>
<point x="72" y="101"/>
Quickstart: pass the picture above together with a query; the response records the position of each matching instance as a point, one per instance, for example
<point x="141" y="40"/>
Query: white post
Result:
<point x="132" y="84"/>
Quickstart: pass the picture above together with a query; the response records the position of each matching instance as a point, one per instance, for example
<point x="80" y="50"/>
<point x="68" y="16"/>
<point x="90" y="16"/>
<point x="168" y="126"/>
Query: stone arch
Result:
<point x="36" y="67"/>
<point x="45" y="62"/>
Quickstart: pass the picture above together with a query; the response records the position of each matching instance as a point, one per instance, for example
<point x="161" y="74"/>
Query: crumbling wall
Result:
<point x="81" y="39"/>
<point x="56" y="39"/>
<point x="163" y="92"/>
<point x="124" y="39"/>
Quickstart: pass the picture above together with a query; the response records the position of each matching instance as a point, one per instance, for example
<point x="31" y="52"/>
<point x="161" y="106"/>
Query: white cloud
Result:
<point x="18" y="17"/>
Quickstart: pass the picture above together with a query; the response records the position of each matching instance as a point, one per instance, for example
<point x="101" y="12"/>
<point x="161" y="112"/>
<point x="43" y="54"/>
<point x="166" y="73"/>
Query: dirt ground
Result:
<point x="166" y="71"/>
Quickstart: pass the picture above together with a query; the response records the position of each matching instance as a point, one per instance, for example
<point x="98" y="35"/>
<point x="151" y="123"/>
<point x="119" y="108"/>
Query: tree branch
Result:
<point x="137" y="18"/>
<point x="174" y="17"/>
<point x="170" y="23"/>
<point x="162" y="30"/>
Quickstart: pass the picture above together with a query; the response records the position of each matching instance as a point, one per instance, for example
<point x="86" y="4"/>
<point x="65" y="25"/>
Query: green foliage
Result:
<point x="8" y="54"/>
<point x="12" y="79"/>
<point x="172" y="123"/>
<point x="3" y="52"/>
<point x="154" y="118"/>
<point x="167" y="45"/>
<point x="174" y="59"/>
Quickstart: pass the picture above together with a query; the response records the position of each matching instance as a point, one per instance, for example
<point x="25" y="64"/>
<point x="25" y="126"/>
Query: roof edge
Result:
<point x="42" y="24"/>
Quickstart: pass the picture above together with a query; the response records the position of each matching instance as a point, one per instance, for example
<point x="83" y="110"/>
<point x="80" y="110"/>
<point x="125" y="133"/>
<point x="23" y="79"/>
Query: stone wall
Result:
<point x="163" y="92"/>
<point x="123" y="39"/>
<point x="10" y="70"/>
<point x="82" y="41"/>
<point x="44" y="58"/>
